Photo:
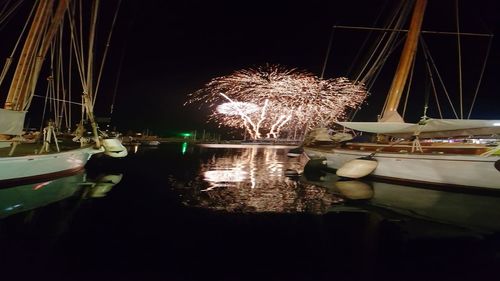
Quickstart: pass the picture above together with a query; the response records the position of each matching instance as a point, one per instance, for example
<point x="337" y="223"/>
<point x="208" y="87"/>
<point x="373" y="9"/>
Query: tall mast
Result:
<point x="407" y="56"/>
<point x="33" y="53"/>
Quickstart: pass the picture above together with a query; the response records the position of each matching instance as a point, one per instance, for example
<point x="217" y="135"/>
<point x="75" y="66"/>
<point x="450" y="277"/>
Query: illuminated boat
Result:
<point x="151" y="143"/>
<point x="22" y="160"/>
<point x="419" y="152"/>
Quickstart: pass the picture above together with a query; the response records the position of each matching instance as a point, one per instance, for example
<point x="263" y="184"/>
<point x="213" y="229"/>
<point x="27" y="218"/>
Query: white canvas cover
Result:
<point x="380" y="127"/>
<point x="431" y="128"/>
<point x="11" y="122"/>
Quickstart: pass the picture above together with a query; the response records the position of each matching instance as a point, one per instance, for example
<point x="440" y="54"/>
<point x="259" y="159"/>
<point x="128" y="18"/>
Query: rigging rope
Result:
<point x="328" y="50"/>
<point x="44" y="107"/>
<point x="429" y="71"/>
<point x="61" y="79"/>
<point x="4" y="14"/>
<point x="459" y="50"/>
<point x="66" y="101"/>
<point x="371" y="81"/>
<point x="390" y="42"/>
<point x="390" y="45"/>
<point x="431" y="78"/>
<point x="81" y="44"/>
<point x="365" y="42"/>
<point x="439" y="77"/>
<point x="70" y="77"/>
<point x="8" y="61"/>
<point x="481" y="76"/>
<point x="90" y="55"/>
<point x="77" y="47"/>
<point x="53" y="86"/>
<point x="106" y="52"/>
<point x="118" y="75"/>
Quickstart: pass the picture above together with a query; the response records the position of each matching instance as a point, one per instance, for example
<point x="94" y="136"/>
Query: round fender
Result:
<point x="357" y="168"/>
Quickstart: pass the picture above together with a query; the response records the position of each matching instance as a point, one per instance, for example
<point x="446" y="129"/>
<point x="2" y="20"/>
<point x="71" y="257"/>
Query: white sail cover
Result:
<point x="431" y="128"/>
<point x="11" y="122"/>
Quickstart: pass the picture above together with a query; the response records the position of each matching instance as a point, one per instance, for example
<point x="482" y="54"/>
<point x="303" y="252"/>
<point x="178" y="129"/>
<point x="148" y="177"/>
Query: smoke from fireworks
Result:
<point x="268" y="100"/>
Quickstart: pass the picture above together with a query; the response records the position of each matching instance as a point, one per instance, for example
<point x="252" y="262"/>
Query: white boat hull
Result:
<point x="31" y="167"/>
<point x="459" y="170"/>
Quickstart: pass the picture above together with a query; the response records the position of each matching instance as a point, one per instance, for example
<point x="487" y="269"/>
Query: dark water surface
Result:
<point x="183" y="212"/>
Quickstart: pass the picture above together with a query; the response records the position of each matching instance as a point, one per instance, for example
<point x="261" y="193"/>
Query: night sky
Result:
<point x="173" y="48"/>
<point x="163" y="50"/>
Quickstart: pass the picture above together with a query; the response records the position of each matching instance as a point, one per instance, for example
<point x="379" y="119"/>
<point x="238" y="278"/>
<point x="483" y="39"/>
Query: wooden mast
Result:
<point x="390" y="113"/>
<point x="33" y="53"/>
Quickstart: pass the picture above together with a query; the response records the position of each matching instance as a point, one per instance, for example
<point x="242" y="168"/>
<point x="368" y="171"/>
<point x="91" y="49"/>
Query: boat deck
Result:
<point x="427" y="148"/>
<point x="24" y="149"/>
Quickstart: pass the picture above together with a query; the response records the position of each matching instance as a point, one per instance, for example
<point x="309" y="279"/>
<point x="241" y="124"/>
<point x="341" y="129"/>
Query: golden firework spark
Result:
<point x="271" y="99"/>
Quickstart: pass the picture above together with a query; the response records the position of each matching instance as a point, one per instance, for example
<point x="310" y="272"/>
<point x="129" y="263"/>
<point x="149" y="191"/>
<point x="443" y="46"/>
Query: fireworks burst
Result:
<point x="234" y="108"/>
<point x="271" y="99"/>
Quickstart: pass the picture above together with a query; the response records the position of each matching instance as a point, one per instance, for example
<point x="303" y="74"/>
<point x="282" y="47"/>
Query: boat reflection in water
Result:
<point x="255" y="179"/>
<point x="30" y="197"/>
<point x="470" y="211"/>
<point x="102" y="184"/>
<point x="258" y="179"/>
<point x="354" y="190"/>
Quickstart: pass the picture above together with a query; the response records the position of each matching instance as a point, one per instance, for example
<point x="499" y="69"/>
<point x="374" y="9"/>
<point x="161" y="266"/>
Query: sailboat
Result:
<point x="21" y="161"/>
<point x="416" y="152"/>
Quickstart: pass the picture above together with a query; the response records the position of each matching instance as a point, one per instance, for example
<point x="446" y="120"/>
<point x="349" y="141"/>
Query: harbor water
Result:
<point x="180" y="211"/>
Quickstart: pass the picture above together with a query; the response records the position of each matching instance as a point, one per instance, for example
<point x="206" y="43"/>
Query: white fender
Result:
<point x="114" y="148"/>
<point x="357" y="168"/>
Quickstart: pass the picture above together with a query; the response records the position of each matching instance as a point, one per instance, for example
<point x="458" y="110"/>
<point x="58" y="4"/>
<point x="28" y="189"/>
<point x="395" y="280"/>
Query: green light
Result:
<point x="186" y="134"/>
<point x="184" y="148"/>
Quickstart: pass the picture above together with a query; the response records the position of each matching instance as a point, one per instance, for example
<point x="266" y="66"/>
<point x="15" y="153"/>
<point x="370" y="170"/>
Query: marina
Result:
<point x="215" y="140"/>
